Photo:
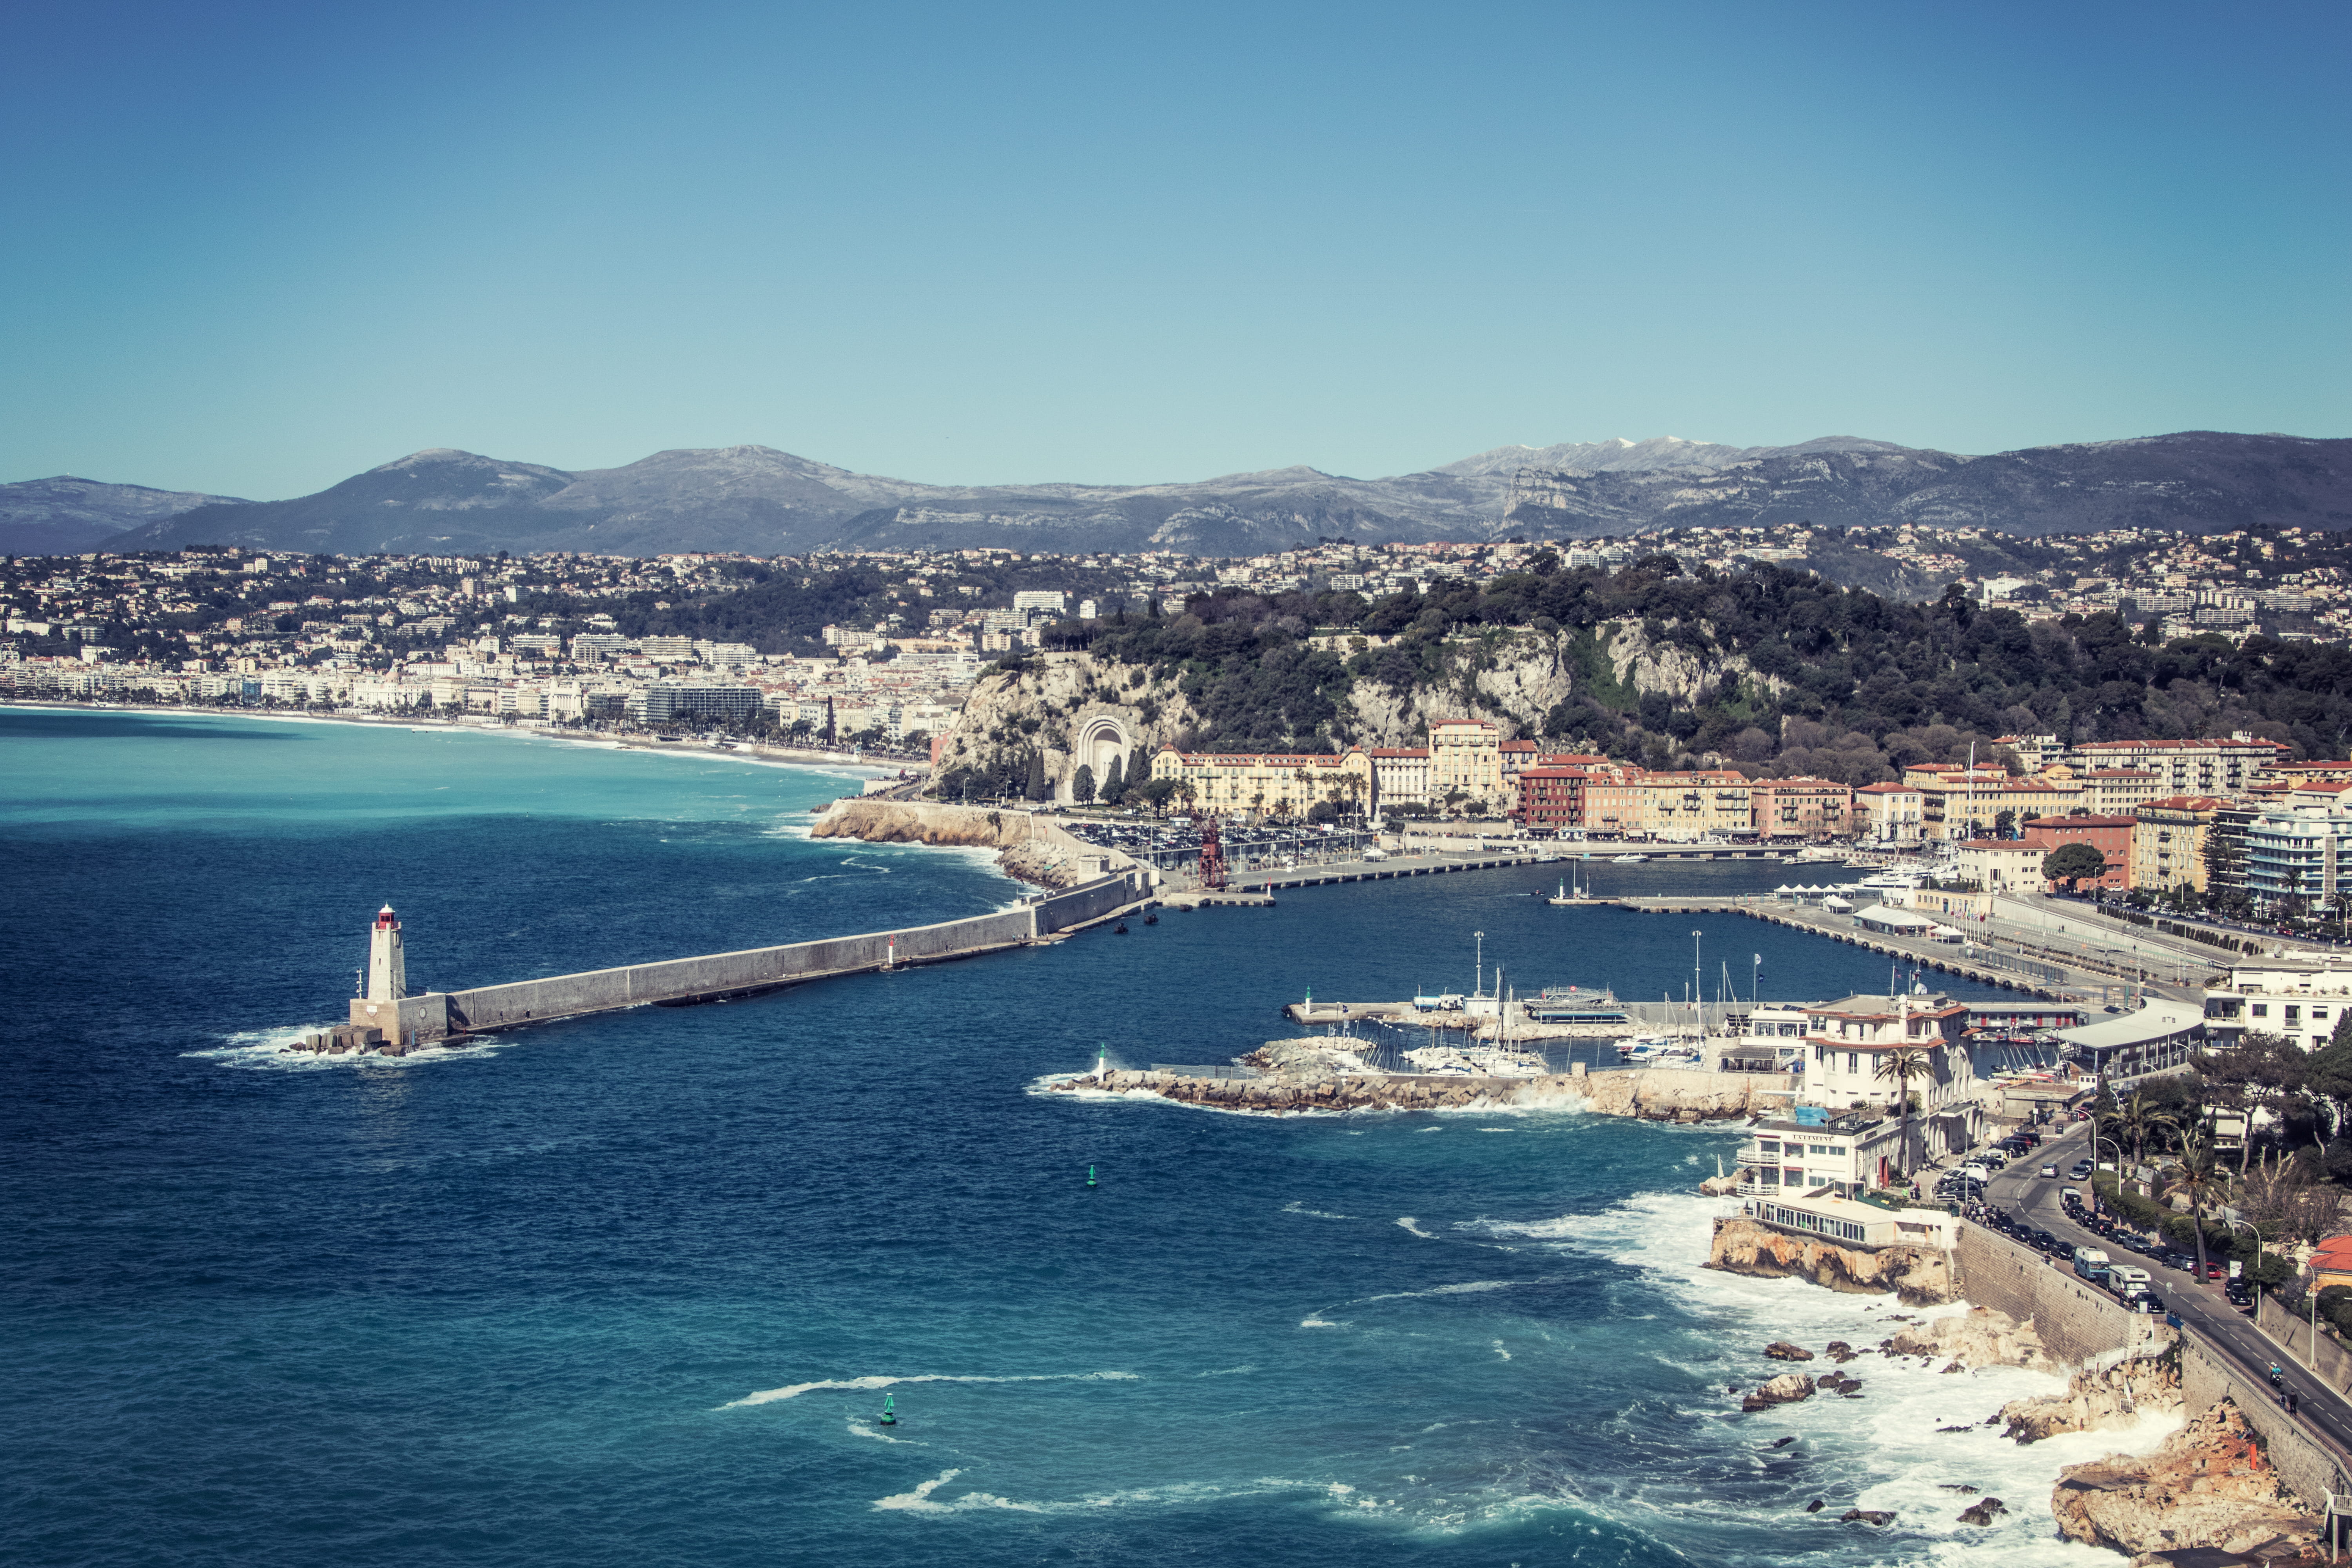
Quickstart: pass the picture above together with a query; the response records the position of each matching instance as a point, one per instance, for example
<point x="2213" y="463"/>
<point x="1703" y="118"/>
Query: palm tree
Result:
<point x="2198" y="1177"/>
<point x="1900" y="1066"/>
<point x="2141" y="1118"/>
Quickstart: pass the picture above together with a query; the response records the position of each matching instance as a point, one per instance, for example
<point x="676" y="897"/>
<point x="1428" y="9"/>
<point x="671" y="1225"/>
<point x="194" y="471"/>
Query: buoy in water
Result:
<point x="1091" y="1176"/>
<point x="1119" y="930"/>
<point x="1151" y="919"/>
<point x="889" y="1416"/>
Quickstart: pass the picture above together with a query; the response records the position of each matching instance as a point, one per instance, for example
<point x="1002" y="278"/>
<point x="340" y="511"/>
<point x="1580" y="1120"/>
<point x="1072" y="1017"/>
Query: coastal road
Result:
<point x="2021" y="1191"/>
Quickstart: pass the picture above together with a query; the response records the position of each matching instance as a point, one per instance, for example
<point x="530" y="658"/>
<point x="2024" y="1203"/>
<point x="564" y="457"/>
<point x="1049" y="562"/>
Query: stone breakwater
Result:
<point x="1705" y="1096"/>
<point x="1030" y="849"/>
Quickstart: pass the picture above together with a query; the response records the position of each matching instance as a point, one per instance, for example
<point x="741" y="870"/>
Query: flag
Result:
<point x="1759" y="961"/>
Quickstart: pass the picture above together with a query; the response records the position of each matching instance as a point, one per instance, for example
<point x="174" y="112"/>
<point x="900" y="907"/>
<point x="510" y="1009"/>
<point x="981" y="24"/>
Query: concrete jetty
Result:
<point x="389" y="1021"/>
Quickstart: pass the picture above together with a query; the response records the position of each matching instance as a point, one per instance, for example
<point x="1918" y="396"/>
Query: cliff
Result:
<point x="1918" y="1275"/>
<point x="2210" y="1486"/>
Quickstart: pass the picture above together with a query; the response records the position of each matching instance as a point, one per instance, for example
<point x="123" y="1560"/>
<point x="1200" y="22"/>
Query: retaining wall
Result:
<point x="2075" y="1320"/>
<point x="2330" y="1364"/>
<point x="2309" y="1468"/>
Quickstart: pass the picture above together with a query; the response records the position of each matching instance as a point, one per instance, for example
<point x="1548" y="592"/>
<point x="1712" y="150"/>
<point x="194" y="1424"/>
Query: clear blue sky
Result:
<point x="254" y="249"/>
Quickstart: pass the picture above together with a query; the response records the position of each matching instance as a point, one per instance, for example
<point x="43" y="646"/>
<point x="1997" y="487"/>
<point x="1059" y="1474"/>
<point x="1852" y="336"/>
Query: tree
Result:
<point x="1114" y="784"/>
<point x="2140" y="1116"/>
<point x="1037" y="788"/>
<point x="2199" y="1178"/>
<point x="2070" y="863"/>
<point x="2004" y="824"/>
<point x="1155" y="793"/>
<point x="1900" y="1067"/>
<point x="1082" y="784"/>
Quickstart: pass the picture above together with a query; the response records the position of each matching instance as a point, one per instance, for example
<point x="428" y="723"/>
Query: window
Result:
<point x="1767" y="1145"/>
<point x="1817" y="1180"/>
<point x="1831" y="1149"/>
<point x="2262" y="1009"/>
<point x="1852" y="1062"/>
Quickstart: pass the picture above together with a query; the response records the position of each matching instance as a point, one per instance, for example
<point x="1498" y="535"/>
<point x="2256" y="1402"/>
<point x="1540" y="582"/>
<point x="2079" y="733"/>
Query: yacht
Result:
<point x="1627" y="859"/>
<point x="1888" y="880"/>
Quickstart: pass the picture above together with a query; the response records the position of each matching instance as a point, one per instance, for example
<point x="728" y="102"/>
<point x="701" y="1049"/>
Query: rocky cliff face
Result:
<point x="1033" y="851"/>
<point x="2210" y="1486"/>
<point x="1917" y="1276"/>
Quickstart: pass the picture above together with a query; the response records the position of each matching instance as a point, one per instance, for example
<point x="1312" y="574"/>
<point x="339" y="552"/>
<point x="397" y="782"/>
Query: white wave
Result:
<point x="794" y="1391"/>
<point x="924" y="1497"/>
<point x="1431" y="1130"/>
<point x="1297" y="1208"/>
<point x="1313" y="1321"/>
<point x="862" y="1429"/>
<point x="1409" y="1224"/>
<point x="266" y="1051"/>
<point x="1470" y="1288"/>
<point x="1501" y="1351"/>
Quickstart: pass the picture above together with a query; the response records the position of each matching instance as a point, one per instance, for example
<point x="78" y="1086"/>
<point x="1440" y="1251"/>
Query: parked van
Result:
<point x="2090" y="1261"/>
<point x="1977" y="1171"/>
<point x="2126" y="1280"/>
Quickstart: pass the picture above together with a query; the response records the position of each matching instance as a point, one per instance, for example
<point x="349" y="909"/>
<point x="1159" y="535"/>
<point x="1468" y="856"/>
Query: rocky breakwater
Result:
<point x="1322" y="1074"/>
<point x="2209" y="1486"/>
<point x="1031" y="849"/>
<point x="1918" y="1275"/>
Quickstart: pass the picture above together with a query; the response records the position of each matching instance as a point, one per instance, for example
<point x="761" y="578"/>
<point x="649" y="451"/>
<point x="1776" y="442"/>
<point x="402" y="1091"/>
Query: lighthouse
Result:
<point x="387" y="972"/>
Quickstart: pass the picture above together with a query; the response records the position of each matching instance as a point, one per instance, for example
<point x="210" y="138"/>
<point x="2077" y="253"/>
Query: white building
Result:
<point x="2301" y="997"/>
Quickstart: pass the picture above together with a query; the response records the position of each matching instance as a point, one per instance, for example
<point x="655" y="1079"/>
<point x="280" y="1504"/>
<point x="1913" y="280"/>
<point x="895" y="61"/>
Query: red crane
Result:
<point x="1213" y="854"/>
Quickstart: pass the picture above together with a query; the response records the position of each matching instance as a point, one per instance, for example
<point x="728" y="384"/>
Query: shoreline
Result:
<point x="751" y="752"/>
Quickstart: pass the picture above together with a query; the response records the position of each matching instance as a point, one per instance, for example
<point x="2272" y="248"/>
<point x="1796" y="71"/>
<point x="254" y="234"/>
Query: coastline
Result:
<point x="846" y="764"/>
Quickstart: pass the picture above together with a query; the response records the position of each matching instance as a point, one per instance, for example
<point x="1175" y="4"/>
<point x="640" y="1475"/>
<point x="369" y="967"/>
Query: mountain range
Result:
<point x="760" y="501"/>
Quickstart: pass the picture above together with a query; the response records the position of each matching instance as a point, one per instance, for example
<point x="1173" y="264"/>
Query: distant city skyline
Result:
<point x="263" y="248"/>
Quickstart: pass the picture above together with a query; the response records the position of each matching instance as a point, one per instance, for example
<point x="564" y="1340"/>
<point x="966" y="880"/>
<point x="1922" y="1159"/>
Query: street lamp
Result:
<point x="2096" y="1142"/>
<point x="1479" y="966"/>
<point x="1698" y="1014"/>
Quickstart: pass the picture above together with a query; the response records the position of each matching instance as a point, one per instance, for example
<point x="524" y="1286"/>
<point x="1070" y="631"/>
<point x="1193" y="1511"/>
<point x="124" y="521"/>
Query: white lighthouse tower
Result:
<point x="387" y="972"/>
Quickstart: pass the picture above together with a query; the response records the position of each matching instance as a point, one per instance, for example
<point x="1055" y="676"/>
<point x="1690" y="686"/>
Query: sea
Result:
<point x="635" y="1288"/>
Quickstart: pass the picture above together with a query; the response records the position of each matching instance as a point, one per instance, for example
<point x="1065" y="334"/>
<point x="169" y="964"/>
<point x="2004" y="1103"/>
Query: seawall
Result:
<point x="1031" y="847"/>
<point x="1684" y="1096"/>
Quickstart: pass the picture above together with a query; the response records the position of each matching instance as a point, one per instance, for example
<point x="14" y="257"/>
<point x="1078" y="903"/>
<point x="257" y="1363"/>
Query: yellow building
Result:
<point x="1466" y="754"/>
<point x="1955" y="803"/>
<point x="2167" y="842"/>
<point x="1674" y="806"/>
<point x="1269" y="784"/>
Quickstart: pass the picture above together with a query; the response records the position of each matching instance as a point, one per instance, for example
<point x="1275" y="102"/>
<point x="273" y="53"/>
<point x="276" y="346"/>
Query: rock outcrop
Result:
<point x="2099" y="1399"/>
<point x="1786" y="1389"/>
<point x="1034" y="850"/>
<point x="1919" y="1276"/>
<point x="2210" y="1486"/>
<point x="1305" y="1078"/>
<point x="1978" y="1337"/>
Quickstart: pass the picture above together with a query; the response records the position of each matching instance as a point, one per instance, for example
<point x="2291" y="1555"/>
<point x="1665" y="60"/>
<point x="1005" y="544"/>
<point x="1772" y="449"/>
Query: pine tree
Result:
<point x="1037" y="790"/>
<point x="1114" y="783"/>
<point x="1082" y="784"/>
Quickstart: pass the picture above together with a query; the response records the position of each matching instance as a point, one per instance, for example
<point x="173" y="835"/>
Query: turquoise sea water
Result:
<point x="632" y="1289"/>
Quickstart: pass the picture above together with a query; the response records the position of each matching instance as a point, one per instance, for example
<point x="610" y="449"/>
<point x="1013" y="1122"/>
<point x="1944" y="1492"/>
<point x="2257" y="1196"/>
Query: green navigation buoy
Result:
<point x="1091" y="1176"/>
<point x="890" y="1416"/>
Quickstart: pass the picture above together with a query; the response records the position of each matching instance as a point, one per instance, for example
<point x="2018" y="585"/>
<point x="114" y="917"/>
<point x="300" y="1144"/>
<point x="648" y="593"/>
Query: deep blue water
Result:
<point x="630" y="1289"/>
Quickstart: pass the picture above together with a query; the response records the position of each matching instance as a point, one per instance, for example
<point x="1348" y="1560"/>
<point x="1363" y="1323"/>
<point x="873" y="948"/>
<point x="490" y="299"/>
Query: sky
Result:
<point x="252" y="250"/>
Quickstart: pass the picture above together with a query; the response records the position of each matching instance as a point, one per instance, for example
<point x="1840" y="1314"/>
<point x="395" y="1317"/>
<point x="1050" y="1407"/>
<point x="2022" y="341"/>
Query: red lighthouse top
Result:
<point x="385" y="919"/>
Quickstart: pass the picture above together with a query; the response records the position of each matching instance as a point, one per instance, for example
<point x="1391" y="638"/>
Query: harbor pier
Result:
<point x="388" y="1020"/>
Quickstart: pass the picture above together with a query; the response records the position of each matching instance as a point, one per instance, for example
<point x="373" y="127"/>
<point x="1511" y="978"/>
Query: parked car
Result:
<point x="2081" y="1169"/>
<point x="2049" y="1172"/>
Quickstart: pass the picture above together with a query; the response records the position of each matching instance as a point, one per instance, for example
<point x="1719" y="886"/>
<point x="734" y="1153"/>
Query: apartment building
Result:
<point x="2187" y="767"/>
<point x="2169" y="841"/>
<point x="1270" y="783"/>
<point x="2302" y="998"/>
<point x="1800" y="808"/>
<point x="1399" y="775"/>
<point x="1678" y="806"/>
<point x="2110" y="836"/>
<point x="1465" y="757"/>
<point x="1887" y="816"/>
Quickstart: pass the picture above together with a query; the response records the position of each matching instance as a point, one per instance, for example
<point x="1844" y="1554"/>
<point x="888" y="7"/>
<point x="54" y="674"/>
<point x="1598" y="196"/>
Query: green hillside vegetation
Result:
<point x="1865" y="685"/>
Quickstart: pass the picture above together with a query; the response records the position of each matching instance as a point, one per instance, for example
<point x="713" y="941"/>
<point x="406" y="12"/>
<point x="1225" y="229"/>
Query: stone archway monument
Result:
<point x="1099" y="738"/>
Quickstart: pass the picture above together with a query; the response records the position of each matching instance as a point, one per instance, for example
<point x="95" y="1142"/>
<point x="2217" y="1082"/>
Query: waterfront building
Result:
<point x="2301" y="998"/>
<point x="2110" y="836"/>
<point x="1887" y="816"/>
<point x="1399" y="775"/>
<point x="1825" y="1159"/>
<point x="2169" y="841"/>
<point x="687" y="701"/>
<point x="1961" y="803"/>
<point x="1809" y="808"/>
<point x="1847" y="1040"/>
<point x="1550" y="799"/>
<point x="1679" y="806"/>
<point x="1271" y="783"/>
<point x="1849" y="1223"/>
<point x="2294" y="854"/>
<point x="1465" y="763"/>
<point x="2159" y="1037"/>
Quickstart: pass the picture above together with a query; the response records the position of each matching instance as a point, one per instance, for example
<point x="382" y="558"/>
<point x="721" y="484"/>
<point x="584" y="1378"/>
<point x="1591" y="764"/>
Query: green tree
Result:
<point x="2004" y="824"/>
<point x="1082" y="784"/>
<point x="1900" y="1067"/>
<point x="1037" y="789"/>
<point x="1114" y="784"/>
<point x="1155" y="793"/>
<point x="2141" y="1117"/>
<point x="2070" y="863"/>
<point x="2198" y="1177"/>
